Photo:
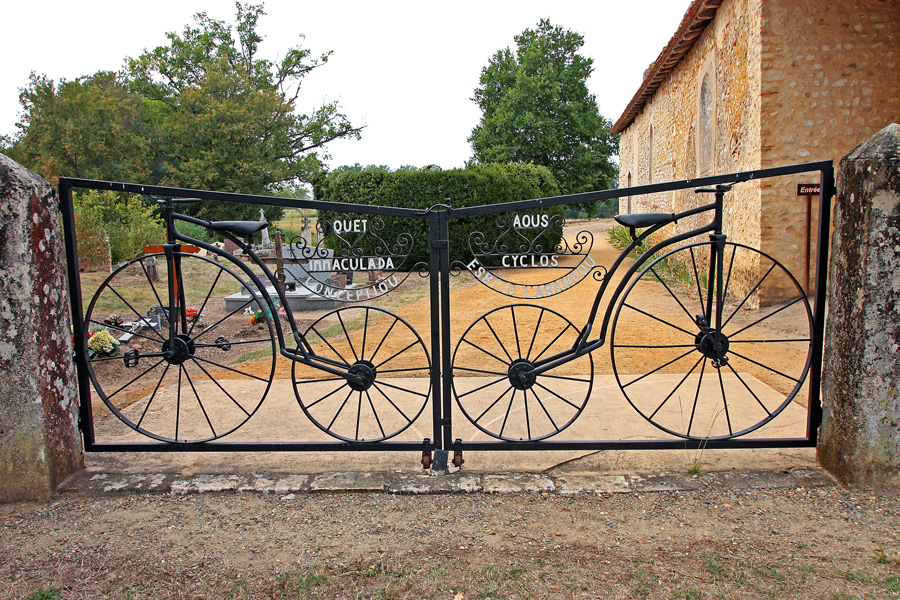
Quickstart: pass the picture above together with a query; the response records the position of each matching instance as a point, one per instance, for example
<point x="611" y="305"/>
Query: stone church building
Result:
<point x="750" y="84"/>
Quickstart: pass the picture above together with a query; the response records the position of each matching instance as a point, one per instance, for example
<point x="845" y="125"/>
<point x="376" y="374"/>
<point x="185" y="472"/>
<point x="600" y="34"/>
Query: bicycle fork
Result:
<point x="710" y="340"/>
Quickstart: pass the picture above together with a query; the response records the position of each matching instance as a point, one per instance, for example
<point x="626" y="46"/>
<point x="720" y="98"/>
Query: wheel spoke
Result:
<point x="377" y="386"/>
<point x="696" y="396"/>
<point x="205" y="301"/>
<point x="747" y="297"/>
<point x="199" y="401"/>
<point x="390" y="385"/>
<point x="671" y="293"/>
<point x="384" y="337"/>
<point x="358" y="413"/>
<point x="237" y="343"/>
<point x="224" y="391"/>
<point x="656" y="346"/>
<point x="563" y="398"/>
<point x="675" y="389"/>
<point x="117" y="328"/>
<point x="121" y="357"/>
<point x="730" y="269"/>
<point x="153" y="395"/>
<point x="412" y="345"/>
<point x="479" y="388"/>
<point x="674" y="360"/>
<point x="544" y="408"/>
<point x="329" y="394"/>
<point x="755" y="397"/>
<point x="725" y="402"/>
<point x="512" y="310"/>
<point x="655" y="318"/>
<point x="537" y="328"/>
<point x="150" y="281"/>
<point x="374" y="412"/>
<point x="178" y="406"/>
<point x="327" y="343"/>
<point x="565" y="378"/>
<point x="527" y="415"/>
<point x="494" y="403"/>
<point x="699" y="288"/>
<point x="497" y="358"/>
<point x="133" y="309"/>
<point x="496" y="337"/>
<point x="347" y="337"/>
<point x="470" y="370"/>
<point x="109" y="396"/>
<point x="341" y="408"/>
<point x="553" y="341"/>
<point x="771" y="314"/>
<point x="362" y="350"/>
<point x="409" y="370"/>
<point x="776" y="371"/>
<point x="215" y="364"/>
<point x="220" y="321"/>
<point x="512" y="398"/>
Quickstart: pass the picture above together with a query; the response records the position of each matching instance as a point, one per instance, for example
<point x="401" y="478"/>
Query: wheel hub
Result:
<point x="178" y="349"/>
<point x="364" y="373"/>
<point x="713" y="344"/>
<point x="520" y="375"/>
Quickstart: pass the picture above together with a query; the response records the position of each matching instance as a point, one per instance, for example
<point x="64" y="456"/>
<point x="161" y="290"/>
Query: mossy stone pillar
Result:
<point x="39" y="440"/>
<point x="859" y="441"/>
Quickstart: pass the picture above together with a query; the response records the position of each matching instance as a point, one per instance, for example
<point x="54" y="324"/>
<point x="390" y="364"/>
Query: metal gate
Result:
<point x="697" y="334"/>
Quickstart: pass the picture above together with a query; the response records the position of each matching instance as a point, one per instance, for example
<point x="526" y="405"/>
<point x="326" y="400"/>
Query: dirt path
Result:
<point x="711" y="543"/>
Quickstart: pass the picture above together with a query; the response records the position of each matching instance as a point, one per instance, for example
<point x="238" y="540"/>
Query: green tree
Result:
<point x="88" y="128"/>
<point x="537" y="108"/>
<point x="226" y="117"/>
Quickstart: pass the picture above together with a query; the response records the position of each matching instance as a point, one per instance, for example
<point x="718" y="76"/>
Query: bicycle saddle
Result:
<point x="642" y="220"/>
<point x="239" y="228"/>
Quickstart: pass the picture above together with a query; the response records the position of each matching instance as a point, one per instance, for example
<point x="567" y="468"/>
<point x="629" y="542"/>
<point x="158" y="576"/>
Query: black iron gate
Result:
<point x="711" y="339"/>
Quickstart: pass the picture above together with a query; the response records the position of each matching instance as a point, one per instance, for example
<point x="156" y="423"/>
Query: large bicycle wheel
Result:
<point x="693" y="380"/>
<point x="203" y="382"/>
<point x="390" y="356"/>
<point x="504" y="344"/>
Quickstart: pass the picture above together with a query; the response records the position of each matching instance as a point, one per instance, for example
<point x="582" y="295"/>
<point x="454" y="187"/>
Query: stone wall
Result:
<point x="830" y="78"/>
<point x="728" y="54"/>
<point x="40" y="443"/>
<point x="792" y="81"/>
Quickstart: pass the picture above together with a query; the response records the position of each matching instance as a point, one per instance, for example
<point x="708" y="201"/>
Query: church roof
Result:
<point x="695" y="20"/>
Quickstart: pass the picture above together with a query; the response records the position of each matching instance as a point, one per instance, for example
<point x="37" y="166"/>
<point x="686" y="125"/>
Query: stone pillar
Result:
<point x="39" y="440"/>
<point x="859" y="441"/>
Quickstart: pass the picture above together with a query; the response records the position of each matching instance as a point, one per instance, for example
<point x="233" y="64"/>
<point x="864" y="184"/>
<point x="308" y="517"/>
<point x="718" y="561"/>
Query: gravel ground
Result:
<point x="711" y="543"/>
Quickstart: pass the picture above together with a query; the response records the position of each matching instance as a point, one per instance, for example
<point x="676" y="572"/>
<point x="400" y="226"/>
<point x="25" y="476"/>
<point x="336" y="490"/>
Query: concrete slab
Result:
<point x="523" y="482"/>
<point x="596" y="484"/>
<point x="606" y="416"/>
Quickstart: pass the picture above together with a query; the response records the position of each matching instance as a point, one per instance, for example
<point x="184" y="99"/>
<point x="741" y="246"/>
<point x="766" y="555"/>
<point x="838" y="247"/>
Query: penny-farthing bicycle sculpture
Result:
<point x="719" y="349"/>
<point x="194" y="374"/>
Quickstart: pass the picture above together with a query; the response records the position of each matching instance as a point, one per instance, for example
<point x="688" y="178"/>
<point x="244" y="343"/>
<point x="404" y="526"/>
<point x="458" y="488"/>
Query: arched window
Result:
<point x="705" y="116"/>
<point x="628" y="184"/>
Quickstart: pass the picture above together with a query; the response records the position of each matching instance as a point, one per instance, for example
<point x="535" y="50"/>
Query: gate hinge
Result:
<point x="440" y="243"/>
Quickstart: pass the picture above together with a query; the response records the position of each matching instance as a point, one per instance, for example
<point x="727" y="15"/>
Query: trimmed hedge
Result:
<point x="472" y="186"/>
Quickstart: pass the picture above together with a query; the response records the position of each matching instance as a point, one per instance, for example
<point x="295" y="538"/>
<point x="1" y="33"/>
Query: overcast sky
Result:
<point x="406" y="70"/>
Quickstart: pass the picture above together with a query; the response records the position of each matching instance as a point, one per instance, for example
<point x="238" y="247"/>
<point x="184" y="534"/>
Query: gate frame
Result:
<point x="439" y="269"/>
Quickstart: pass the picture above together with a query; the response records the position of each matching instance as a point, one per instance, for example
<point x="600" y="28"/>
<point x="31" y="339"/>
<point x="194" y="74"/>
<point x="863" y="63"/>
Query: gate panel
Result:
<point x="561" y="342"/>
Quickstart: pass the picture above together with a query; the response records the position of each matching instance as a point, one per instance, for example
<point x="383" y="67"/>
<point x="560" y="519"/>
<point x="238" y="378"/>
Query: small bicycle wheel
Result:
<point x="395" y="365"/>
<point x="192" y="372"/>
<point x="695" y="381"/>
<point x="505" y="343"/>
